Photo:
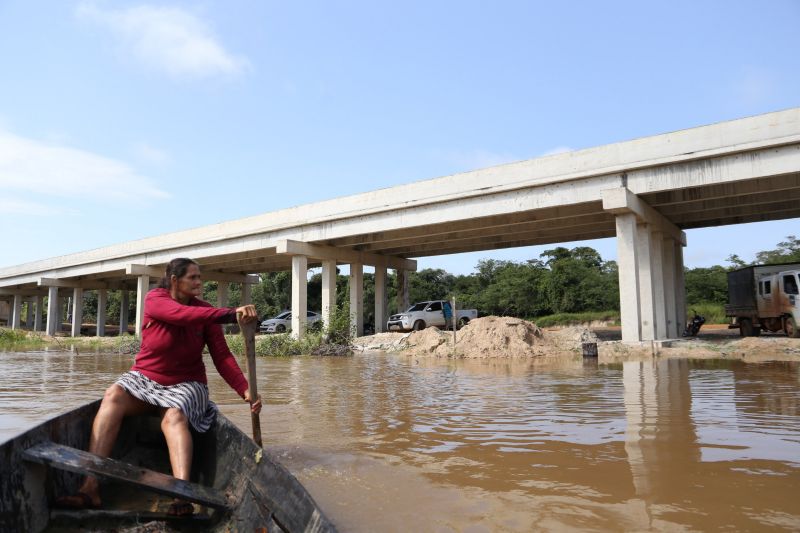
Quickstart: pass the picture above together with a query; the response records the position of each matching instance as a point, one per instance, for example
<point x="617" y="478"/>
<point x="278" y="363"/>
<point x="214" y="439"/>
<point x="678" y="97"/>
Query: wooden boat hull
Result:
<point x="258" y="491"/>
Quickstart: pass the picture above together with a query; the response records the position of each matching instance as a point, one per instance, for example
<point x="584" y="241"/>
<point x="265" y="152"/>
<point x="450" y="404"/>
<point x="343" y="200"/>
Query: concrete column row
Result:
<point x="299" y="295"/>
<point x="651" y="281"/>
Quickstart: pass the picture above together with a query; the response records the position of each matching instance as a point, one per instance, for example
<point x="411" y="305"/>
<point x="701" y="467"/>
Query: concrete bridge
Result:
<point x="645" y="192"/>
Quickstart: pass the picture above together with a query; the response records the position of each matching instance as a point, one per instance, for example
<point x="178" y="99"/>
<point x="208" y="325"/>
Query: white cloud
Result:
<point x="31" y="167"/>
<point x="168" y="39"/>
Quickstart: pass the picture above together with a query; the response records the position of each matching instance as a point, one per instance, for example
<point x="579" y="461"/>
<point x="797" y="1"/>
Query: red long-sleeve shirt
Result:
<point x="173" y="337"/>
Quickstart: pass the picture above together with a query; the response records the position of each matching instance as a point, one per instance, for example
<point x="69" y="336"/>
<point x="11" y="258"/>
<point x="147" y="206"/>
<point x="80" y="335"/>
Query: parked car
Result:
<point x="283" y="322"/>
<point x="432" y="313"/>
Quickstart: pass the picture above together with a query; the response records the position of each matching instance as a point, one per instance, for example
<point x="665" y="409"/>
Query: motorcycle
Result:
<point x="694" y="325"/>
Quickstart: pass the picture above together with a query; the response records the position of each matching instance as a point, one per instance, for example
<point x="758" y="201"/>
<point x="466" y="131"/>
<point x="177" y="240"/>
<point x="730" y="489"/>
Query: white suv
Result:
<point x="283" y="322"/>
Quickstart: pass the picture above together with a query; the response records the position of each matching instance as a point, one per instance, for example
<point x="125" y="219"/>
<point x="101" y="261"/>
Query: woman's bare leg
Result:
<point x="175" y="426"/>
<point x="116" y="405"/>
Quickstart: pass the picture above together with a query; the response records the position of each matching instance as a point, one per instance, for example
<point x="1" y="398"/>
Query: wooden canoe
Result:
<point x="235" y="485"/>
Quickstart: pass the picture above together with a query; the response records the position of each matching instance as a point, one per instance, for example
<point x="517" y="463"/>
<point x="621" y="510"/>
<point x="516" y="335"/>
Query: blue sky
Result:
<point x="124" y="120"/>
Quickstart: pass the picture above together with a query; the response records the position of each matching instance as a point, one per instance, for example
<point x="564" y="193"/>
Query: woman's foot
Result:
<point x="180" y="508"/>
<point x="79" y="500"/>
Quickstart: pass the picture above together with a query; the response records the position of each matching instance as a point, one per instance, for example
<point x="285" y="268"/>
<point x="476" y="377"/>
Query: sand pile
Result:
<point x="494" y="336"/>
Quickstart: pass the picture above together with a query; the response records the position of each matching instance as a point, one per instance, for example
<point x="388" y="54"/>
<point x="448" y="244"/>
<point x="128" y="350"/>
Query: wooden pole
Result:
<point x="455" y="319"/>
<point x="248" y="330"/>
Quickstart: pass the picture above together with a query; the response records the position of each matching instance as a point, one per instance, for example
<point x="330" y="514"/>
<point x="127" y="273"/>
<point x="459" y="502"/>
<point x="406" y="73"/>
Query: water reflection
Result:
<point x="394" y="443"/>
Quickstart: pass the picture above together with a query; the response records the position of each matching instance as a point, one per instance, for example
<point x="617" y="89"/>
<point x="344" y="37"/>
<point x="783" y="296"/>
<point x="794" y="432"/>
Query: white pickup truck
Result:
<point x="424" y="314"/>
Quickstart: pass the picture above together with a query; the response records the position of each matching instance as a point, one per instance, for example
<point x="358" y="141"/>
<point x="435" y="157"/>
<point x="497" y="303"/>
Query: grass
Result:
<point x="20" y="341"/>
<point x="17" y="340"/>
<point x="575" y="319"/>
<point x="713" y="312"/>
<point x="279" y="344"/>
<point x="334" y="341"/>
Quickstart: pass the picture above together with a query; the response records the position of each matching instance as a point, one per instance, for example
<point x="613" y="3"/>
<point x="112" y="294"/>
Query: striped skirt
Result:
<point x="190" y="397"/>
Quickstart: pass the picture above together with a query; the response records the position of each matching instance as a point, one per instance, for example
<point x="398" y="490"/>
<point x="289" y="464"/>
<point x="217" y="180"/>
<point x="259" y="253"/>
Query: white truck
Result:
<point x="432" y="313"/>
<point x="764" y="297"/>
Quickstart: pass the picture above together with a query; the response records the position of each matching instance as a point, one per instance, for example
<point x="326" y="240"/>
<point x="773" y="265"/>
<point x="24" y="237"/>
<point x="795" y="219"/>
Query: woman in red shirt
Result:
<point x="168" y="375"/>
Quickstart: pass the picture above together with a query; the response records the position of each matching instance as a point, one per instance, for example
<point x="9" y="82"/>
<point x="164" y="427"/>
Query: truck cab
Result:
<point x="765" y="297"/>
<point x="777" y="300"/>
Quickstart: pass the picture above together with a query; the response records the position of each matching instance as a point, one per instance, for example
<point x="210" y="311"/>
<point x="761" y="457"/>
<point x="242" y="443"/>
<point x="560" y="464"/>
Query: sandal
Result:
<point x="79" y="500"/>
<point x="180" y="509"/>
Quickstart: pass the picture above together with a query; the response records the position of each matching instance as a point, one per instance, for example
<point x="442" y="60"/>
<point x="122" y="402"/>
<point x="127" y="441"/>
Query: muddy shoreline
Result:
<point x="505" y="338"/>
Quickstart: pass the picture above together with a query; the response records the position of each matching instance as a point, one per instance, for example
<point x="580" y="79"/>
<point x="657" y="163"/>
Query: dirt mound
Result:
<point x="494" y="336"/>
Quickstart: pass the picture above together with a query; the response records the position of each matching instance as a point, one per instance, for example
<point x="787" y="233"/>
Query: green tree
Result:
<point x="430" y="284"/>
<point x="706" y="285"/>
<point x="787" y="251"/>
<point x="580" y="280"/>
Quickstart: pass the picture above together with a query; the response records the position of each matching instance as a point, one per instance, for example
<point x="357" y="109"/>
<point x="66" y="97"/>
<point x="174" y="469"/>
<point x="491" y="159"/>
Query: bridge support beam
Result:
<point x="124" y="306"/>
<point x="657" y="275"/>
<point x="650" y="269"/>
<point x="628" y="277"/>
<point x="647" y="310"/>
<point x="142" y="286"/>
<point x="328" y="291"/>
<point x="381" y="303"/>
<point x="403" y="298"/>
<point x="668" y="257"/>
<point x="77" y="311"/>
<point x="16" y="312"/>
<point x="356" y="299"/>
<point x="102" y="303"/>
<point x="52" y="311"/>
<point x="299" y="295"/>
<point x="37" y="319"/>
<point x="29" y="312"/>
<point x="680" y="287"/>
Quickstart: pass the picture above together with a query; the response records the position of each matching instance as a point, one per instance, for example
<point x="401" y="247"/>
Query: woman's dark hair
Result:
<point x="176" y="267"/>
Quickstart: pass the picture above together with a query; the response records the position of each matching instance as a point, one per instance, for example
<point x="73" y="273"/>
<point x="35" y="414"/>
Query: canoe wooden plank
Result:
<point x="65" y="515"/>
<point x="74" y="460"/>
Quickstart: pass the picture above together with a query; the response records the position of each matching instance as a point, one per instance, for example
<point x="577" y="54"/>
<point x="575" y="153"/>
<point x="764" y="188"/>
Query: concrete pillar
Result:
<point x="30" y="313"/>
<point x="668" y="265"/>
<point x="247" y="297"/>
<point x="16" y="312"/>
<point x="37" y="319"/>
<point x="646" y="289"/>
<point x="402" y="290"/>
<point x="142" y="286"/>
<point x="657" y="275"/>
<point x="628" y="277"/>
<point x="52" y="310"/>
<point x="77" y="311"/>
<point x="381" y="304"/>
<point x="222" y="294"/>
<point x="299" y="295"/>
<point x="356" y="299"/>
<point x="102" y="304"/>
<point x="124" y="304"/>
<point x="328" y="291"/>
<point x="680" y="288"/>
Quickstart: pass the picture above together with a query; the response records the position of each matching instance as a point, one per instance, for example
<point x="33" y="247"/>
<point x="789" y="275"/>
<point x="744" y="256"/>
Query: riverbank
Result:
<point x="511" y="338"/>
<point x="483" y="338"/>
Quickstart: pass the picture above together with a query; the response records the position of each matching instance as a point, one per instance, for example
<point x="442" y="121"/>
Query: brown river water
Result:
<point x="392" y="443"/>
